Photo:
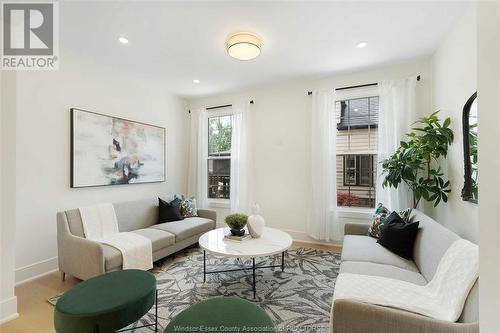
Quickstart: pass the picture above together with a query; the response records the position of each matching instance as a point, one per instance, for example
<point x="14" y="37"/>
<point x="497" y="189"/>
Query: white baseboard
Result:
<point x="8" y="310"/>
<point x="299" y="236"/>
<point x="303" y="237"/>
<point x="36" y="270"/>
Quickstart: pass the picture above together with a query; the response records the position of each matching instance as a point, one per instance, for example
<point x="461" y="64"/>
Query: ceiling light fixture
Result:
<point x="196" y="81"/>
<point x="361" y="45"/>
<point x="123" y="40"/>
<point x="243" y="45"/>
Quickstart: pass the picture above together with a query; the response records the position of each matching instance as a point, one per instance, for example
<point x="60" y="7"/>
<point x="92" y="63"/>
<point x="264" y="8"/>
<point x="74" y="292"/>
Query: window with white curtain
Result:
<point x="356" y="147"/>
<point x="219" y="157"/>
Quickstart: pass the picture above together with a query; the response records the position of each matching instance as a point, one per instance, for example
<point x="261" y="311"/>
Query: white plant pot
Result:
<point x="255" y="222"/>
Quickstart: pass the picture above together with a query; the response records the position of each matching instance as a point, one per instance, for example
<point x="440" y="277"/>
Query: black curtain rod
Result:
<point x="358" y="86"/>
<point x="220" y="106"/>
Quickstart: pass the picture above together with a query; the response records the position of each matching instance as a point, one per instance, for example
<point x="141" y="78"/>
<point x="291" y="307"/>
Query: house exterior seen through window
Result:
<point x="356" y="145"/>
<point x="219" y="157"/>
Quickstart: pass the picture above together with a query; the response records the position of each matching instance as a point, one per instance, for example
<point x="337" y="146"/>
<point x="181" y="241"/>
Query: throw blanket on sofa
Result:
<point x="99" y="221"/>
<point x="100" y="224"/>
<point x="137" y="252"/>
<point x="442" y="298"/>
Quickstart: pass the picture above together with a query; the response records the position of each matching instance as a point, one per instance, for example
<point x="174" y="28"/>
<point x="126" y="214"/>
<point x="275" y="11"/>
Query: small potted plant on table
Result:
<point x="236" y="223"/>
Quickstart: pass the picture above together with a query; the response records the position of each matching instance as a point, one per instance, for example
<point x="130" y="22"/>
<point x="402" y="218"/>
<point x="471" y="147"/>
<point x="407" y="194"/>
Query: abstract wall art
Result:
<point x="107" y="150"/>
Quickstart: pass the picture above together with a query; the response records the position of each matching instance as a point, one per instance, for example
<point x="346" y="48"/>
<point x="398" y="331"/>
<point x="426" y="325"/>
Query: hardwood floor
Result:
<point x="36" y="314"/>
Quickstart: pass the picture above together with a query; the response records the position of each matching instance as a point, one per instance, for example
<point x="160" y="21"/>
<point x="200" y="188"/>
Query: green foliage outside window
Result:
<point x="219" y="135"/>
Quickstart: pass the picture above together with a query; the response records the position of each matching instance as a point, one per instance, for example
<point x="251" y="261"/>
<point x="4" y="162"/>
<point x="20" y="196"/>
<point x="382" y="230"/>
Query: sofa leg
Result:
<point x="63" y="276"/>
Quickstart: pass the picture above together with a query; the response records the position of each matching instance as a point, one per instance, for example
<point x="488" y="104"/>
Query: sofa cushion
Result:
<point x="159" y="240"/>
<point x="133" y="215"/>
<point x="388" y="271"/>
<point x="366" y="249"/>
<point x="186" y="228"/>
<point x="431" y="243"/>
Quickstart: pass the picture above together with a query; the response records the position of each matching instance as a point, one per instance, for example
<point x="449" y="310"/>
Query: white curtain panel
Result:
<point x="323" y="223"/>
<point x="241" y="189"/>
<point x="198" y="153"/>
<point x="397" y="111"/>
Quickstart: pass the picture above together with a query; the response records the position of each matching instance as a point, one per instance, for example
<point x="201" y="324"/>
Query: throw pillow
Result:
<point x="379" y="219"/>
<point x="405" y="214"/>
<point x="399" y="237"/>
<point x="188" y="206"/>
<point x="394" y="217"/>
<point x="168" y="211"/>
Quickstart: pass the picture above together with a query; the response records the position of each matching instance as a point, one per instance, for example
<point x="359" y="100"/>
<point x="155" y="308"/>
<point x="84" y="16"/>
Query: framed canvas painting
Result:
<point x="108" y="150"/>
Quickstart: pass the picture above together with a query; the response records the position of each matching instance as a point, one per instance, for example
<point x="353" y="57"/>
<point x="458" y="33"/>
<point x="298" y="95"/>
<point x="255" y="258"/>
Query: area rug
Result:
<point x="298" y="299"/>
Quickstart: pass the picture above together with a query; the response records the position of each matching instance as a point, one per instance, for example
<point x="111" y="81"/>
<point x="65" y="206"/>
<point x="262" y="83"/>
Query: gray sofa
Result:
<point x="362" y="255"/>
<point x="83" y="258"/>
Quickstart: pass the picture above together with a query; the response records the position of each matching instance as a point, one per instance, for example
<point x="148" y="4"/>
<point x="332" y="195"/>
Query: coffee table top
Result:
<point x="272" y="241"/>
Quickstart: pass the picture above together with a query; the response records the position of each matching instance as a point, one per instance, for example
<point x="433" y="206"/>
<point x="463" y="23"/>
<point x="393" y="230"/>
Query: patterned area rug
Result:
<point x="298" y="299"/>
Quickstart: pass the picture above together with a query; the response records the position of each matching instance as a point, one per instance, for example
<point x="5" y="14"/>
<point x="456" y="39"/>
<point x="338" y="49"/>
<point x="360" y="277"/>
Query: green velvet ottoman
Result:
<point x="222" y="314"/>
<point x="107" y="302"/>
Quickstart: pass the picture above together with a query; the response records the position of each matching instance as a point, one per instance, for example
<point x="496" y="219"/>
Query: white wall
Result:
<point x="489" y="163"/>
<point x="455" y="80"/>
<point x="282" y="140"/>
<point x="8" y="301"/>
<point x="43" y="145"/>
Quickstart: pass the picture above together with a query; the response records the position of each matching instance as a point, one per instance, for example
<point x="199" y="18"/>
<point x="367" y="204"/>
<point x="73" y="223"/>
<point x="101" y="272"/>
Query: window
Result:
<point x="359" y="113"/>
<point x="358" y="170"/>
<point x="356" y="144"/>
<point x="219" y="157"/>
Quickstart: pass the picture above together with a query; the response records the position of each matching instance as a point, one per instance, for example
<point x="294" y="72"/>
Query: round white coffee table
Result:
<point x="272" y="241"/>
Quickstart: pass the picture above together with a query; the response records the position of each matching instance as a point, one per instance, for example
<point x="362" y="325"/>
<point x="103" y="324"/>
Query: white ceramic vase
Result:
<point x="255" y="222"/>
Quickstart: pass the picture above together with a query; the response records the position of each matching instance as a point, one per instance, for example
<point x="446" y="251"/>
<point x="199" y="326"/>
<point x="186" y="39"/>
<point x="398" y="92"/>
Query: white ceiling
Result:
<point x="182" y="41"/>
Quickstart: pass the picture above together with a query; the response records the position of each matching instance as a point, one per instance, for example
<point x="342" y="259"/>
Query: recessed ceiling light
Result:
<point x="361" y="45"/>
<point x="196" y="81"/>
<point x="243" y="45"/>
<point x="123" y="40"/>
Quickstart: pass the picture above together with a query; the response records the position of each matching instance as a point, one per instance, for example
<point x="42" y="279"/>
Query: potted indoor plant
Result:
<point x="416" y="161"/>
<point x="236" y="223"/>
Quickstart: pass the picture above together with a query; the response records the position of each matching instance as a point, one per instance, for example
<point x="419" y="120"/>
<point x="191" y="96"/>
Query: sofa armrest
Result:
<point x="349" y="316"/>
<point x="77" y="256"/>
<point x="81" y="257"/>
<point x="356" y="229"/>
<point x="208" y="214"/>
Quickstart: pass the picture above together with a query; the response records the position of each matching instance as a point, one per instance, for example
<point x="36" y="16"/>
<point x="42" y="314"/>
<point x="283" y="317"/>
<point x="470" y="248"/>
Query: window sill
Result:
<point x="355" y="213"/>
<point x="219" y="203"/>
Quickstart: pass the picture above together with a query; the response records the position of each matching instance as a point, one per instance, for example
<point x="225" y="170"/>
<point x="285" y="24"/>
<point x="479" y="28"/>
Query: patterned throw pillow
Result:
<point x="187" y="206"/>
<point x="378" y="219"/>
<point x="405" y="215"/>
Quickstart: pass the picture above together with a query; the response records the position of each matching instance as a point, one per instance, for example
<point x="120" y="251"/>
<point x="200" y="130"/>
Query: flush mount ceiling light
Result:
<point x="196" y="81"/>
<point x="243" y="45"/>
<point x="123" y="40"/>
<point x="361" y="45"/>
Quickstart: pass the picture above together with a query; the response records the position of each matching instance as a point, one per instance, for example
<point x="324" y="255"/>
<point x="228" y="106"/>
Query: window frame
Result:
<point x="355" y="212"/>
<point x="357" y="170"/>
<point x="346" y="127"/>
<point x="217" y="202"/>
